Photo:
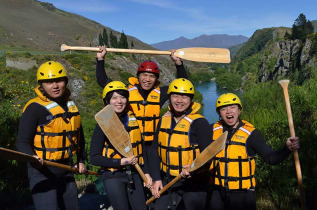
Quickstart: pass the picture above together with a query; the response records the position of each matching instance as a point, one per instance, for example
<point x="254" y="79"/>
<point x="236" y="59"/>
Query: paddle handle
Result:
<point x="118" y="50"/>
<point x="166" y="187"/>
<point x="284" y="84"/>
<point x="138" y="168"/>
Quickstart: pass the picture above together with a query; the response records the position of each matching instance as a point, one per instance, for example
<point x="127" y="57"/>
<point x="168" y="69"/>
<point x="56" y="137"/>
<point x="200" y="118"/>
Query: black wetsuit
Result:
<point x="219" y="198"/>
<point x="187" y="193"/>
<point x="124" y="191"/>
<point x="51" y="187"/>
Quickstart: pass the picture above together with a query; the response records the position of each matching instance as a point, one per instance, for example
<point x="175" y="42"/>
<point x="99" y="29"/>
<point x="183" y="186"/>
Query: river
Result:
<point x="210" y="93"/>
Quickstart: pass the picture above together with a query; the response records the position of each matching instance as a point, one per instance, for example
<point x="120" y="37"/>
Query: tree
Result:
<point x="113" y="40"/>
<point x="302" y="27"/>
<point x="123" y="42"/>
<point x="132" y="44"/>
<point x="105" y="37"/>
<point x="100" y="40"/>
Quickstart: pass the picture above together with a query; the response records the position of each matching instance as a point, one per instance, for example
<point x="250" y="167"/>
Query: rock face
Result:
<point x="285" y="57"/>
<point x="21" y="63"/>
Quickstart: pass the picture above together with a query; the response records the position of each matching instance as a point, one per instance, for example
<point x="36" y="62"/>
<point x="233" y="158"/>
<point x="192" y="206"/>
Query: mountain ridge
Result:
<point x="215" y="40"/>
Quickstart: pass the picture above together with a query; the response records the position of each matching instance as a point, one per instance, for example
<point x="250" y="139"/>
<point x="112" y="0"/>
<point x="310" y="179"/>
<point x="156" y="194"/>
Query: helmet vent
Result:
<point x="42" y="73"/>
<point x="110" y="86"/>
<point x="49" y="63"/>
<point x="175" y="87"/>
<point x="234" y="99"/>
<point x="60" y="71"/>
<point x="190" y="88"/>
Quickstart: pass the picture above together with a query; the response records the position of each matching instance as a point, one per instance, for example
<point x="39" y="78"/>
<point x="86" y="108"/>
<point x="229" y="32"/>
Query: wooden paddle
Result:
<point x="111" y="125"/>
<point x="200" y="54"/>
<point x="15" y="155"/>
<point x="284" y="84"/>
<point x="209" y="152"/>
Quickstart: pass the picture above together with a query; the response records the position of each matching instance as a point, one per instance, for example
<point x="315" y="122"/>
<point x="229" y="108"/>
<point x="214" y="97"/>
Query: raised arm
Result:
<point x="101" y="74"/>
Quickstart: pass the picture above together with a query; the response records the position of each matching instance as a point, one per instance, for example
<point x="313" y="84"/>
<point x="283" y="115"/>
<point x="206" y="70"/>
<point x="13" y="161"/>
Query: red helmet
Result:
<point x="150" y="67"/>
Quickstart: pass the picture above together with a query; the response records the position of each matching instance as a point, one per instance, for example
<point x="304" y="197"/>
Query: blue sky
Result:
<point x="162" y="20"/>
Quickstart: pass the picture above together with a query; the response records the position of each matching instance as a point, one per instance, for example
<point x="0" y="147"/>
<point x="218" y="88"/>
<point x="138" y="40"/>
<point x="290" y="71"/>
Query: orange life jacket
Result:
<point x="232" y="168"/>
<point x="147" y="111"/>
<point x="58" y="138"/>
<point x="175" y="148"/>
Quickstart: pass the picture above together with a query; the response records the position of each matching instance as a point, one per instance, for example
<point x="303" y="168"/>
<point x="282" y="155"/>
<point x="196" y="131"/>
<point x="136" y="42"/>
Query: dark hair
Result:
<point x="106" y="99"/>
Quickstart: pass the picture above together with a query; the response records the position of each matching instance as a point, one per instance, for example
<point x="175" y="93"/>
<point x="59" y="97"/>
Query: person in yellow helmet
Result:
<point x="181" y="135"/>
<point x="232" y="170"/>
<point x="50" y="129"/>
<point x="146" y="95"/>
<point x="122" y="184"/>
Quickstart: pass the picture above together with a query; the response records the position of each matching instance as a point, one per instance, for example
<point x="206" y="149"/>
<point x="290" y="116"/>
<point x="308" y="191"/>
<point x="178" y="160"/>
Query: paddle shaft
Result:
<point x="284" y="84"/>
<point x="138" y="168"/>
<point x="166" y="187"/>
<point x="117" y="50"/>
<point x="15" y="155"/>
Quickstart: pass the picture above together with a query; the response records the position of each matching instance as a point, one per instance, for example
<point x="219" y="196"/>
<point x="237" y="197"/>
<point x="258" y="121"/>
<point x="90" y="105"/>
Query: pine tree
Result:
<point x="100" y="40"/>
<point x="105" y="37"/>
<point x="123" y="42"/>
<point x="302" y="27"/>
<point x="113" y="40"/>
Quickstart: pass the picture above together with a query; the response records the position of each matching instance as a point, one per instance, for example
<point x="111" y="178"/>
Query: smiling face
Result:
<point x="180" y="102"/>
<point x="55" y="88"/>
<point x="230" y="114"/>
<point x="147" y="80"/>
<point x="118" y="102"/>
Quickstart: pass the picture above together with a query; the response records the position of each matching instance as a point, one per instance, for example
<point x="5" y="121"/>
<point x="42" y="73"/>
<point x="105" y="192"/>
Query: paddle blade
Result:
<point x="200" y="54"/>
<point x="111" y="125"/>
<point x="209" y="152"/>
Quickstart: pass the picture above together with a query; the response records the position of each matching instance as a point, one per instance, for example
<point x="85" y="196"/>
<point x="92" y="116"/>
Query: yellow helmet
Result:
<point x="181" y="85"/>
<point x="114" y="85"/>
<point x="51" y="70"/>
<point x="228" y="99"/>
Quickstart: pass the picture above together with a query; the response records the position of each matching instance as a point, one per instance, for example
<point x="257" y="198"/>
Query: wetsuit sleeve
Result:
<point x="101" y="74"/>
<point x="256" y="145"/>
<point x="181" y="71"/>
<point x="33" y="116"/>
<point x="96" y="147"/>
<point x="200" y="133"/>
<point x="154" y="159"/>
<point x="81" y="155"/>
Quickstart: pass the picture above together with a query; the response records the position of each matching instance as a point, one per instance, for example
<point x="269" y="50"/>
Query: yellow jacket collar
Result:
<point x="134" y="81"/>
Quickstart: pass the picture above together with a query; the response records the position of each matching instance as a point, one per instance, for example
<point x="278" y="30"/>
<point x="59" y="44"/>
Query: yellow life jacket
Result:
<point x="232" y="168"/>
<point x="57" y="139"/>
<point x="147" y="111"/>
<point x="175" y="148"/>
<point x="136" y="142"/>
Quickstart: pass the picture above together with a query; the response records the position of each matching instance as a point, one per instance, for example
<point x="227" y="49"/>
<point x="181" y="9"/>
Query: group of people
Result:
<point x="50" y="129"/>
